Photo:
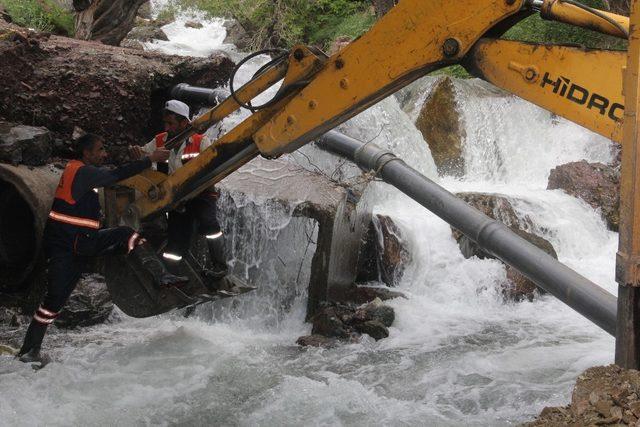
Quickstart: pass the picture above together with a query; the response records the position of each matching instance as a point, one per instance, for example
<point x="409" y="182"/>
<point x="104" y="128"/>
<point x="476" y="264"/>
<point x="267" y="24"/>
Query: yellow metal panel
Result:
<point x="584" y="86"/>
<point x="629" y="248"/>
<point x="413" y="38"/>
<point x="160" y="196"/>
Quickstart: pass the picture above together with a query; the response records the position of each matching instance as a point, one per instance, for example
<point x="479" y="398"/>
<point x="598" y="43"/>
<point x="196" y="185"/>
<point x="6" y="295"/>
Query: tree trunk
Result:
<point x="107" y="21"/>
<point x="62" y="83"/>
<point x="383" y="6"/>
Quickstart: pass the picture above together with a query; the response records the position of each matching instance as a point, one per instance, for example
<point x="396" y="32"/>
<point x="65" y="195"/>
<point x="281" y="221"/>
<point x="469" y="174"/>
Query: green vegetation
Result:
<point x="41" y="15"/>
<point x="536" y="29"/>
<point x="283" y="23"/>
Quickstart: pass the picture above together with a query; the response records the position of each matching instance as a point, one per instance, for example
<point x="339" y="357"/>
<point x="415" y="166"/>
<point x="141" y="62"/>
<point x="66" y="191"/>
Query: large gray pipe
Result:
<point x="492" y="236"/>
<point x="199" y="95"/>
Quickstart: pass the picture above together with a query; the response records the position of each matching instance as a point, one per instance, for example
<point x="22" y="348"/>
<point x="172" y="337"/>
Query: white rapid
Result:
<point x="457" y="353"/>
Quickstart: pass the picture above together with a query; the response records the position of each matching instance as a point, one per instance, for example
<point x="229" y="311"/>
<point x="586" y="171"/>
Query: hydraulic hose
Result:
<point x="579" y="293"/>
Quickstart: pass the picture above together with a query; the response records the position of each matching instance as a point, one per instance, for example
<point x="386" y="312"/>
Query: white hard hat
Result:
<point x="177" y="107"/>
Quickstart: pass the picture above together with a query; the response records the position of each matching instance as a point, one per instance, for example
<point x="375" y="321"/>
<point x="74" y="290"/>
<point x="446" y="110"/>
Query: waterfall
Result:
<point x="457" y="353"/>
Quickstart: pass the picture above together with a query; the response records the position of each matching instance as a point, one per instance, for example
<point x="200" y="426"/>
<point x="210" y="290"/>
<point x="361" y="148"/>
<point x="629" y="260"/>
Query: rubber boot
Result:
<point x="30" y="351"/>
<point x="148" y="258"/>
<point x="216" y="253"/>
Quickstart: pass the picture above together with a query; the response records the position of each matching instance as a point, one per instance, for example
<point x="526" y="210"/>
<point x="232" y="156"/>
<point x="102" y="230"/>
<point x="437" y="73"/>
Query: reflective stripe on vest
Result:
<point x="63" y="191"/>
<point x="74" y="220"/>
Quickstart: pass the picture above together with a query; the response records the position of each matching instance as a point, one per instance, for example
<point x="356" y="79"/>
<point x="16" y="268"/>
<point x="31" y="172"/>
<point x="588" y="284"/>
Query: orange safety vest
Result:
<point x="190" y="151"/>
<point x="67" y="210"/>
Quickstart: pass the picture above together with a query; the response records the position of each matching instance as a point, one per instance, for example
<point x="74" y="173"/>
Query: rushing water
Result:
<point x="457" y="354"/>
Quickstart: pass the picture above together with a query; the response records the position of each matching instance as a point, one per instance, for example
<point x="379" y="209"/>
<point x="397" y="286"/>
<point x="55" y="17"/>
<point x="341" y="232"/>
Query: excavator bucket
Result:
<point x="134" y="291"/>
<point x="132" y="287"/>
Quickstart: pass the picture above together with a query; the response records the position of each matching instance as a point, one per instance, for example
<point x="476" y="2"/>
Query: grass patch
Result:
<point x="41" y="15"/>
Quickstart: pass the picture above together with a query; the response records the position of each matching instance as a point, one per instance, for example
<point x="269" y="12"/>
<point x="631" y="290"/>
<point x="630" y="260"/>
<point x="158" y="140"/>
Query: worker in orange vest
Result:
<point x="198" y="214"/>
<point x="73" y="234"/>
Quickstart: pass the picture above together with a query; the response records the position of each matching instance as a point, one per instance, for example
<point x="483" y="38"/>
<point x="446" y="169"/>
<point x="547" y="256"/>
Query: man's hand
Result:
<point x="159" y="155"/>
<point x="136" y="152"/>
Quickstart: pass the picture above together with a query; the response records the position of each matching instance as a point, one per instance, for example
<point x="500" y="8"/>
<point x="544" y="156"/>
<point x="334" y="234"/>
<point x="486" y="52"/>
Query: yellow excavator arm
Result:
<point x="416" y="37"/>
<point x="411" y="40"/>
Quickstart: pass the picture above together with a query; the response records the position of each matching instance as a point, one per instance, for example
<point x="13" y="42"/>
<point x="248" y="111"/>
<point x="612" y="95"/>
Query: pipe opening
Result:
<point x="18" y="240"/>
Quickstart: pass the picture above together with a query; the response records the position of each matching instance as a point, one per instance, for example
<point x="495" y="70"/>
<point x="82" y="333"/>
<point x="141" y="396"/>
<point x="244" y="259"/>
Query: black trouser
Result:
<point x="197" y="217"/>
<point x="66" y="263"/>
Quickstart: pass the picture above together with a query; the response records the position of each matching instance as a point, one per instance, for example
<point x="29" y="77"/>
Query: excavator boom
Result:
<point x="415" y="37"/>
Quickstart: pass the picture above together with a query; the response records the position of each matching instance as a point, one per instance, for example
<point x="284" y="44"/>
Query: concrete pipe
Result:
<point x="26" y="194"/>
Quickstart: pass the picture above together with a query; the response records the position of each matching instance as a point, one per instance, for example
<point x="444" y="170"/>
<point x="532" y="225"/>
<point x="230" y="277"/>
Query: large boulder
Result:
<point x="439" y="120"/>
<point x="193" y="24"/>
<point x="346" y="321"/>
<point x="517" y="287"/>
<point x="27" y="145"/>
<point x="603" y="395"/>
<point x="62" y="83"/>
<point x="145" y="33"/>
<point x="493" y="205"/>
<point x="89" y="304"/>
<point x="237" y="35"/>
<point x="595" y="183"/>
<point x="384" y="252"/>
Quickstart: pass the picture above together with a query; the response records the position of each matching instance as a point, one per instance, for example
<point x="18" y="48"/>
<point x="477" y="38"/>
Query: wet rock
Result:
<point x="384" y="252"/>
<point x="494" y="206"/>
<point x="316" y="341"/>
<point x="328" y="322"/>
<point x="346" y="321"/>
<point x="374" y="328"/>
<point x="146" y="34"/>
<point x="89" y="304"/>
<point x="340" y="217"/>
<point x="517" y="288"/>
<point x="193" y="24"/>
<point x="440" y="123"/>
<point x="237" y="35"/>
<point x="24" y="144"/>
<point x="382" y="313"/>
<point x="595" y="183"/>
<point x="603" y="395"/>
